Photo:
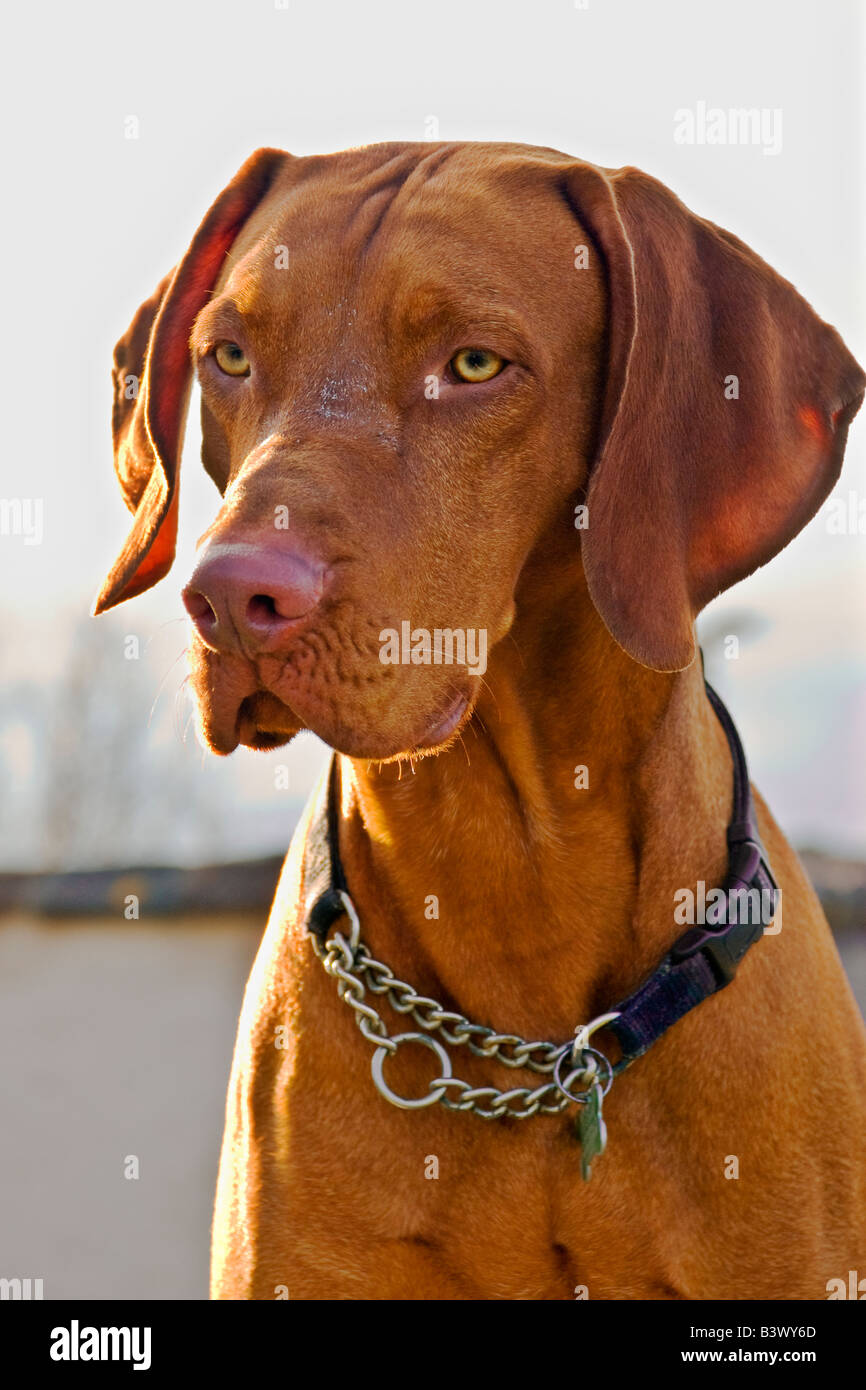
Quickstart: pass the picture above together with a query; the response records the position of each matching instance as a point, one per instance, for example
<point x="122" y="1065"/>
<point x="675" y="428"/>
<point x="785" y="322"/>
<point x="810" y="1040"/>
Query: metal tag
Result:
<point x="591" y="1130"/>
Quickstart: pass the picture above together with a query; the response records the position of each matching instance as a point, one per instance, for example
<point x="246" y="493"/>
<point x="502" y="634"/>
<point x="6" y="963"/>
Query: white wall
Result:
<point x="116" y="1039"/>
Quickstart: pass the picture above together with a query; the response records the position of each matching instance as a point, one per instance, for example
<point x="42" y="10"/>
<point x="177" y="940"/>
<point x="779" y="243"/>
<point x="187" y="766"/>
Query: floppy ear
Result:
<point x="724" y="420"/>
<point x="152" y="376"/>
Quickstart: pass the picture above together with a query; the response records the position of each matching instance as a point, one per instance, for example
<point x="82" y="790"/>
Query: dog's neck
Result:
<point x="527" y="872"/>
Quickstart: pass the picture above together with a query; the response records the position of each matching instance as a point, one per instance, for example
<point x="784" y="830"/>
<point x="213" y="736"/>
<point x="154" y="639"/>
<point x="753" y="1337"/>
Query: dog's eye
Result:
<point x="476" y="364"/>
<point x="231" y="359"/>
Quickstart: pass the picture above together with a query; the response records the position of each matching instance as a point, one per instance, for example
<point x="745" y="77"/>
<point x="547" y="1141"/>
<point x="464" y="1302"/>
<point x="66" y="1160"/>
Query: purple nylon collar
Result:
<point x="705" y="958"/>
<point x="699" y="963"/>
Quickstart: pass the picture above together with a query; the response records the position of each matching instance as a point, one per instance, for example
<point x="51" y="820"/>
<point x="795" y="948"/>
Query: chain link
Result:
<point x="357" y="971"/>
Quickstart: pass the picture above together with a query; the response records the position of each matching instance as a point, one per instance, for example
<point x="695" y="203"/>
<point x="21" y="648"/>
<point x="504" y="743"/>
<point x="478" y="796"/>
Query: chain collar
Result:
<point x="700" y="962"/>
<point x="356" y="971"/>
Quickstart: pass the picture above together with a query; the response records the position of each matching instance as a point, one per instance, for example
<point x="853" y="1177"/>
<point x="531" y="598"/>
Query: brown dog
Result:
<point x="416" y="361"/>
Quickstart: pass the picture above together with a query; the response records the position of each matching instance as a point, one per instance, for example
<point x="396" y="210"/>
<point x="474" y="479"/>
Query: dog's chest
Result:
<point x="328" y="1191"/>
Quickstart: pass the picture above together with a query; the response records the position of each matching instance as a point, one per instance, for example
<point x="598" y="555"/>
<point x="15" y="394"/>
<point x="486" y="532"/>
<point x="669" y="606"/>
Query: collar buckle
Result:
<point x="724" y="946"/>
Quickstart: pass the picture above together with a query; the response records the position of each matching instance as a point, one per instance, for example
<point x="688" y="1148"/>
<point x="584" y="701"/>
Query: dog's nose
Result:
<point x="251" y="596"/>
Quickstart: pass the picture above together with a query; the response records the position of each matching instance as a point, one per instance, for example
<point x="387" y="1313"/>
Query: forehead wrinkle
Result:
<point x="329" y="225"/>
<point x="344" y="207"/>
<point x="323" y="297"/>
<point x="391" y="188"/>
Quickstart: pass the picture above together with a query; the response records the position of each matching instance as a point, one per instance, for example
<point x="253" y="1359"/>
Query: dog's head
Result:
<point x="415" y="361"/>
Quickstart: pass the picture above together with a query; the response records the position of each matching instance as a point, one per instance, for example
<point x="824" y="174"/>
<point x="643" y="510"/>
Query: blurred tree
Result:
<point x="116" y="776"/>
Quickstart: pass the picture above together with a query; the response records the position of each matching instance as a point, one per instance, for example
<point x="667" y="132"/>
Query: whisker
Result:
<point x="490" y="692"/>
<point x="179" y="695"/>
<point x="161" y="686"/>
<point x="513" y="640"/>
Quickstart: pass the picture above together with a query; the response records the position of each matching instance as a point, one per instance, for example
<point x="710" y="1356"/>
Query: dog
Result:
<point x="490" y="426"/>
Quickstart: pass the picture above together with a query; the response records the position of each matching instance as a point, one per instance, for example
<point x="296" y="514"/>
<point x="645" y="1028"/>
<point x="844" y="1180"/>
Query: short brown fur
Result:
<point x="553" y="902"/>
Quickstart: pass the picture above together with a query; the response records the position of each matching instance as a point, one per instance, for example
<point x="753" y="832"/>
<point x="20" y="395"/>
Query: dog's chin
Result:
<point x="264" y="722"/>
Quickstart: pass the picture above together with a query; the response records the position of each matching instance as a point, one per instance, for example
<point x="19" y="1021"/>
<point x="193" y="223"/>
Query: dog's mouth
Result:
<point x="265" y="722"/>
<point x="361" y="706"/>
<point x="439" y="731"/>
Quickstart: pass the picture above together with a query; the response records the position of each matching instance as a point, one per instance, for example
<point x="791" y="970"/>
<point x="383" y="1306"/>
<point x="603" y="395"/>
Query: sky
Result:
<point x="95" y="218"/>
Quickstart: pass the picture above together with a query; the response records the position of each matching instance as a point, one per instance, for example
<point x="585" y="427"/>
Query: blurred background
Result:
<point x="121" y="125"/>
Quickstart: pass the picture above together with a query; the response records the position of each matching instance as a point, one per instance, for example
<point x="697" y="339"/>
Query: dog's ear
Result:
<point x="152" y="376"/>
<point x="724" y="418"/>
